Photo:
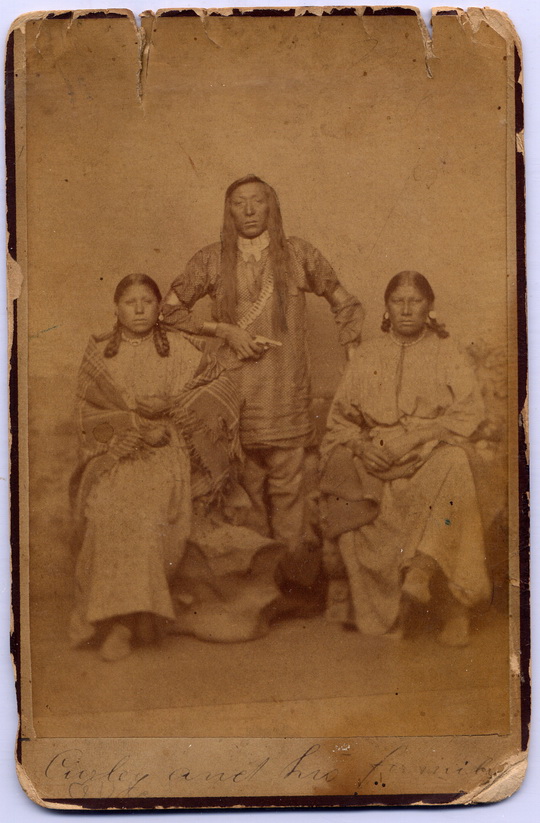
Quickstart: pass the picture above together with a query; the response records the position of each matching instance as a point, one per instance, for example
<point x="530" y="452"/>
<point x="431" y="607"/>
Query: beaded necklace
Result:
<point x="412" y="343"/>
<point x="403" y="346"/>
<point x="136" y="341"/>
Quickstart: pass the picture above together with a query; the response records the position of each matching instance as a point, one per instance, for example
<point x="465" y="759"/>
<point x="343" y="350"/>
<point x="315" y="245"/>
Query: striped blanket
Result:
<point x="205" y="416"/>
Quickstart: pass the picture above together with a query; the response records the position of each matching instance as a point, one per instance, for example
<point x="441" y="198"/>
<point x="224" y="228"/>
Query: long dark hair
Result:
<point x="160" y="337"/>
<point x="278" y="251"/>
<point x="422" y="284"/>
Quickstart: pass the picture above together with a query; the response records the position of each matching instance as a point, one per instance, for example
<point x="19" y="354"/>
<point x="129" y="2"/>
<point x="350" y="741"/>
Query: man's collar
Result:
<point x="253" y="246"/>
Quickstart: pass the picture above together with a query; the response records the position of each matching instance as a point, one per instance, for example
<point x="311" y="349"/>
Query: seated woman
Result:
<point x="401" y="499"/>
<point x="143" y="420"/>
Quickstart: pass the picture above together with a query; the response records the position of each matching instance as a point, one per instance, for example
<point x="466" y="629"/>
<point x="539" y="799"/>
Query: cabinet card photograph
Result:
<point x="268" y="380"/>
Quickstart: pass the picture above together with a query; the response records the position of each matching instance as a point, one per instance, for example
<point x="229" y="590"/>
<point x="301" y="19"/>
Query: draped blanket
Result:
<point x="203" y="418"/>
<point x="207" y="414"/>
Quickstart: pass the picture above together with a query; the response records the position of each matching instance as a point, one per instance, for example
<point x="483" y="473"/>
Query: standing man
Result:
<point x="257" y="279"/>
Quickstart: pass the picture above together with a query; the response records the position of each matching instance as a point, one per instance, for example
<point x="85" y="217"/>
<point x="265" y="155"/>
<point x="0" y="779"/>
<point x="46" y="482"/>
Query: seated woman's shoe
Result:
<point x="455" y="631"/>
<point x="338" y="604"/>
<point x="117" y="644"/>
<point x="398" y="631"/>
<point x="416" y="585"/>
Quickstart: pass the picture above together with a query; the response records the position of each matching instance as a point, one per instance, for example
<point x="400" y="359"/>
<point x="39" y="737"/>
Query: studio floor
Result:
<point x="306" y="678"/>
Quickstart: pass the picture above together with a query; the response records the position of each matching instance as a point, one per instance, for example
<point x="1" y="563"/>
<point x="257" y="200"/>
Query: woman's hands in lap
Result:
<point x="151" y="405"/>
<point x="373" y="456"/>
<point x="128" y="444"/>
<point x="156" y="435"/>
<point x="397" y="449"/>
<point x="380" y="455"/>
<point x="138" y="443"/>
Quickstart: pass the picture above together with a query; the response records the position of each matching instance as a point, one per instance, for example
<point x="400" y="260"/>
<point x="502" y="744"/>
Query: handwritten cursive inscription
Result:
<point x="188" y="775"/>
<point x="117" y="781"/>
<point x="396" y="764"/>
<point x="302" y="768"/>
<point x="123" y="779"/>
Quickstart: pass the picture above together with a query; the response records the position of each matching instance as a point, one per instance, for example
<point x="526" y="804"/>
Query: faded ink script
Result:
<point x="382" y="773"/>
<point x="123" y="777"/>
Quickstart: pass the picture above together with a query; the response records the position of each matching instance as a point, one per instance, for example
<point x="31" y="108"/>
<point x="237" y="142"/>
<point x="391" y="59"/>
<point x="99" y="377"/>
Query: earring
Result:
<point x="432" y="315"/>
<point x="386" y="316"/>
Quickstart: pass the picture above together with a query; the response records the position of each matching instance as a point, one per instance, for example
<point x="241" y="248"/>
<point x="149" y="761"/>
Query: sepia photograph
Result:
<point x="269" y="356"/>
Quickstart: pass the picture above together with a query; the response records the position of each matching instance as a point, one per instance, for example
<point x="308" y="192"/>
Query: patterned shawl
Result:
<point x="205" y="416"/>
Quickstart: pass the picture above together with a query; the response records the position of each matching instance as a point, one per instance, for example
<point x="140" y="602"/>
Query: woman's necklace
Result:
<point x="403" y="346"/>
<point x="406" y="345"/>
<point x="136" y="341"/>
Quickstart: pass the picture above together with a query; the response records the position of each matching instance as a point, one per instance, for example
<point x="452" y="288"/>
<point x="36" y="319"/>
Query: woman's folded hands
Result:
<point x="152" y="405"/>
<point x="381" y="454"/>
<point x="139" y="442"/>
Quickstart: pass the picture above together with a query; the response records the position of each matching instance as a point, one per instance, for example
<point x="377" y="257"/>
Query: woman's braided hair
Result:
<point x="413" y="278"/>
<point x="161" y="341"/>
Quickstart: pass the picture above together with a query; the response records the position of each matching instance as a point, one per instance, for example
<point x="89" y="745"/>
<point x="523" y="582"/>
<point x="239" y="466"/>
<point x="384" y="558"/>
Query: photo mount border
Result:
<point x="355" y="800"/>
